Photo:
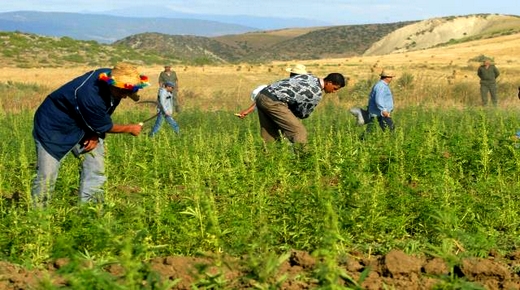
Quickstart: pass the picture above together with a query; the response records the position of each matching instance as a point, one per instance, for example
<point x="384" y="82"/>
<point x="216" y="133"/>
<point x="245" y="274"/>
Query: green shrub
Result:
<point x="405" y="81"/>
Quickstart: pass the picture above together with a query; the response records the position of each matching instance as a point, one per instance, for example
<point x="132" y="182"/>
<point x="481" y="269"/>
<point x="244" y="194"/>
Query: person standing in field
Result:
<point x="298" y="69"/>
<point x="76" y="117"/>
<point x="282" y="104"/>
<point x="164" y="108"/>
<point x="168" y="75"/>
<point x="381" y="104"/>
<point x="488" y="73"/>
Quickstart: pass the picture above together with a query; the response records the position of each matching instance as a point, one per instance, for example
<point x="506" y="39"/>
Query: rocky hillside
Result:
<point x="326" y="42"/>
<point x="317" y="43"/>
<point x="332" y="42"/>
<point x="438" y="31"/>
<point x="182" y="48"/>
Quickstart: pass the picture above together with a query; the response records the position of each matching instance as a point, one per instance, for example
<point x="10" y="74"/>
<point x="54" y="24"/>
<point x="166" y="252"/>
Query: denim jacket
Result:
<point x="380" y="99"/>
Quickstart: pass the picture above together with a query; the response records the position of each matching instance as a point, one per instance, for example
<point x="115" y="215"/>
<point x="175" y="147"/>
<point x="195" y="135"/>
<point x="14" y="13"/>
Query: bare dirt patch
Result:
<point x="395" y="270"/>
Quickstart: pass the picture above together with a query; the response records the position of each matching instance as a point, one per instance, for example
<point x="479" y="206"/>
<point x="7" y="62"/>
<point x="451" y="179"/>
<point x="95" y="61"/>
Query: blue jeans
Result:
<point x="159" y="122"/>
<point x="91" y="181"/>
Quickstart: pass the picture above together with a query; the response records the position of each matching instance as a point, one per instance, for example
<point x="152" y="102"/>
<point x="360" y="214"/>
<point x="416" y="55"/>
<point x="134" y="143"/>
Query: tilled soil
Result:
<point x="395" y="270"/>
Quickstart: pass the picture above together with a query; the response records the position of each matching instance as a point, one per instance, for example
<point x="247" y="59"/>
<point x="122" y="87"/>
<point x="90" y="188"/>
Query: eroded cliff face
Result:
<point x="435" y="31"/>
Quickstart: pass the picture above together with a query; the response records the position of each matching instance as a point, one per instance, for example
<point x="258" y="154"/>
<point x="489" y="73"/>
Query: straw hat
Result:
<point x="125" y="76"/>
<point x="297" y="69"/>
<point x="387" y="74"/>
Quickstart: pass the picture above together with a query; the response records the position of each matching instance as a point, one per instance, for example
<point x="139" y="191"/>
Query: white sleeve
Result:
<point x="255" y="92"/>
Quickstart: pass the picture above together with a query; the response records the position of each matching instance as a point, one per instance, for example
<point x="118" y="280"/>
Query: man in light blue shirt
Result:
<point x="381" y="103"/>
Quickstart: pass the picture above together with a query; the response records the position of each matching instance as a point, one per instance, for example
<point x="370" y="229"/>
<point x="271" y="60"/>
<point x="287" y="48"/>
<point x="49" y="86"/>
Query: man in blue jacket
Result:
<point x="76" y="117"/>
<point x="381" y="103"/>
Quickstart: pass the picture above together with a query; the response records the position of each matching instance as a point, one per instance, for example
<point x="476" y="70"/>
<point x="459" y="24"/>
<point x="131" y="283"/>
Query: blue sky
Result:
<point x="335" y="12"/>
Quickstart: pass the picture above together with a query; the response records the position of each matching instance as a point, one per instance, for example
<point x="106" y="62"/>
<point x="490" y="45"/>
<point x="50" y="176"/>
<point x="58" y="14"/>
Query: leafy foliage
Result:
<point x="435" y="184"/>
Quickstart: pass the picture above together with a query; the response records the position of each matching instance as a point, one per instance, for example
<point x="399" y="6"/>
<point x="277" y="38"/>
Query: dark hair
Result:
<point x="335" y="78"/>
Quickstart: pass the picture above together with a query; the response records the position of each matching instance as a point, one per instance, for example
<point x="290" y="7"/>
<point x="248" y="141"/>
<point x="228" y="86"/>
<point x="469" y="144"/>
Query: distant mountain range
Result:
<point x="117" y="24"/>
<point x="32" y="50"/>
<point x="106" y="28"/>
<point x="260" y="23"/>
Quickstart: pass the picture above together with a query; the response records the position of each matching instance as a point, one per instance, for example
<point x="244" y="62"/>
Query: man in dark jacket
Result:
<point x="76" y="118"/>
<point x="488" y="74"/>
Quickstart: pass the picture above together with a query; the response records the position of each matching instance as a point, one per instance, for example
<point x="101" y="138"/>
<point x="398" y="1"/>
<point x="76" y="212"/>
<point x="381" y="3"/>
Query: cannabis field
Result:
<point x="445" y="184"/>
<point x="434" y="205"/>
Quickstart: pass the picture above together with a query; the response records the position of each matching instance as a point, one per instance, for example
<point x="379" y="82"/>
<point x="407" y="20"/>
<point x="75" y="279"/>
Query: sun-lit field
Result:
<point x="445" y="184"/>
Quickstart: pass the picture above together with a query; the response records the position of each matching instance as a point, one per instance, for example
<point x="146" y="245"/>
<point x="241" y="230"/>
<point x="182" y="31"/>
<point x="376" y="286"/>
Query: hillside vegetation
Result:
<point x="30" y="50"/>
<point x="181" y="48"/>
<point x="318" y="43"/>
<point x="332" y="42"/>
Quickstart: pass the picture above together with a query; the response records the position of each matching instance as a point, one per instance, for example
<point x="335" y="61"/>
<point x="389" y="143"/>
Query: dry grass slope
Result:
<point x="253" y="41"/>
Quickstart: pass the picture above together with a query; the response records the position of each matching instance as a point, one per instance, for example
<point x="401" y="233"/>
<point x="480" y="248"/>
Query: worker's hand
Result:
<point x="385" y="114"/>
<point x="90" y="143"/>
<point x="241" y="115"/>
<point x="135" y="130"/>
